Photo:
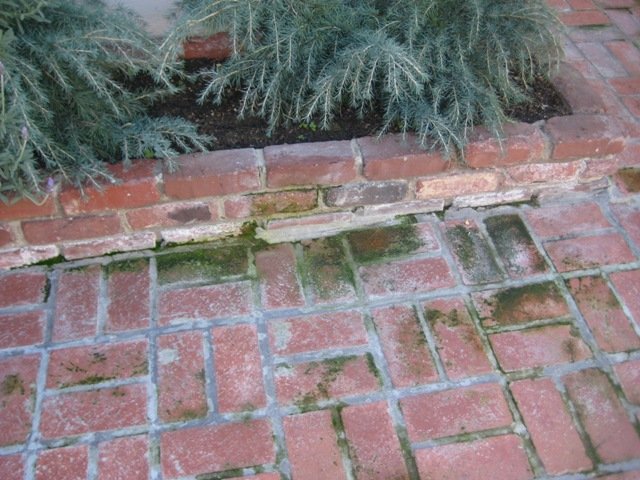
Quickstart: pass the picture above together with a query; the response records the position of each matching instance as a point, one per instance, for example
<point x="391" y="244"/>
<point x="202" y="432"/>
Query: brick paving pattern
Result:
<point x="498" y="343"/>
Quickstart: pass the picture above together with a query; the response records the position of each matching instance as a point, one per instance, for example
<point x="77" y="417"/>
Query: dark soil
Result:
<point x="221" y="122"/>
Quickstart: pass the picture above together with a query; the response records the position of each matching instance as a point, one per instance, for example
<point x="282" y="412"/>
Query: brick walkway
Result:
<point x="495" y="344"/>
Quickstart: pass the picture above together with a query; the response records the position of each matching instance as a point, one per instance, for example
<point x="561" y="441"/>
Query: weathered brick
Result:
<point x="456" y="184"/>
<point x="628" y="285"/>
<point x="472" y="253"/>
<point x="96" y="364"/>
<point x="549" y="423"/>
<point x="514" y="244"/>
<point x="20" y="257"/>
<point x="238" y="368"/>
<point x="521" y="143"/>
<point x="629" y="217"/>
<point x="128" y="287"/>
<point x="212" y="174"/>
<point x="405" y="346"/>
<point x="201" y="233"/>
<point x="172" y="215"/>
<point x="545" y="172"/>
<point x="70" y="463"/>
<point x="214" y="47"/>
<point x="209" y="302"/>
<point x="123" y="458"/>
<point x="602" y="311"/>
<point x="135" y="186"/>
<point x="628" y="180"/>
<point x="312" y="333"/>
<point x="181" y="377"/>
<point x="375" y="244"/>
<point x="454" y="412"/>
<point x="582" y="18"/>
<point x="539" y="347"/>
<point x="327" y="271"/>
<point x="6" y="236"/>
<point x="579" y="92"/>
<point x="633" y="104"/>
<point x="457" y="340"/>
<point x="39" y="232"/>
<point x="499" y="458"/>
<point x="98" y="247"/>
<point x="290" y="201"/>
<point x="603" y="416"/>
<point x="12" y="467"/>
<point x="93" y="411"/>
<point x="194" y="451"/>
<point x="593" y="49"/>
<point x="583" y="135"/>
<point x="25" y="208"/>
<point x="576" y="218"/>
<point x="305" y="384"/>
<point x="588" y="252"/>
<point x="629" y="375"/>
<point x="22" y="288"/>
<point x="520" y="304"/>
<point x="412" y="276"/>
<point x="17" y="388"/>
<point x="373" y="444"/>
<point x="395" y="157"/>
<point x="312" y="444"/>
<point x="325" y="163"/>
<point x="627" y="54"/>
<point x="279" y="284"/>
<point x="76" y="310"/>
<point x="353" y="195"/>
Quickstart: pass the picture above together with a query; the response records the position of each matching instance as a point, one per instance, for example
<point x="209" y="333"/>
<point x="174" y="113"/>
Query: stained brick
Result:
<point x="312" y="444"/>
<point x="456" y="411"/>
<point x="77" y="304"/>
<point x="172" y="215"/>
<point x="515" y="246"/>
<point x="577" y="218"/>
<point x="472" y="253"/>
<point x="406" y="277"/>
<point x="584" y="136"/>
<point x="405" y="346"/>
<point x="213" y="174"/>
<point x="210" y="302"/>
<point x="95" y="364"/>
<point x="291" y="201"/>
<point x="19" y="257"/>
<point x="307" y="383"/>
<point x="38" y="232"/>
<point x="603" y="313"/>
<point x="629" y="375"/>
<point x="457" y="340"/>
<point x="628" y="285"/>
<point x="22" y="289"/>
<point x="312" y="333"/>
<point x="194" y="451"/>
<point x="12" y="467"/>
<point x="124" y="458"/>
<point x="70" y="463"/>
<point x="17" y="388"/>
<point x="326" y="163"/>
<point x="93" y="411"/>
<point x="373" y="445"/>
<point x="520" y="304"/>
<point x="181" y="377"/>
<point x="395" y="157"/>
<point x="549" y="423"/>
<point x="374" y="244"/>
<point x="25" y="208"/>
<point x="128" y="287"/>
<point x="135" y="187"/>
<point x="353" y="195"/>
<point x="454" y="185"/>
<point x="603" y="416"/>
<point x="327" y="272"/>
<point x="21" y="329"/>
<point x="588" y="252"/>
<point x="499" y="458"/>
<point x="238" y="368"/>
<point x="278" y="281"/>
<point x="522" y="143"/>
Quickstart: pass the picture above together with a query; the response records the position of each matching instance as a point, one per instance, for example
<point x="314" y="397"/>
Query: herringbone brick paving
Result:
<point x="492" y="344"/>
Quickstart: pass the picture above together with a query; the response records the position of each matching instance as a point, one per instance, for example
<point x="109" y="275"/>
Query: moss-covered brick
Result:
<point x="202" y="264"/>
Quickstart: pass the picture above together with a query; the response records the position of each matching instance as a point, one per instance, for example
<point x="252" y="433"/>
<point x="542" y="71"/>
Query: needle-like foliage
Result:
<point x="65" y="108"/>
<point x="436" y="67"/>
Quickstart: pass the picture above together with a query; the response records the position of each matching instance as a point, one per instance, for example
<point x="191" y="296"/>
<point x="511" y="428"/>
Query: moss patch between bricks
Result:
<point x="202" y="264"/>
<point x="126" y="266"/>
<point x="376" y="243"/>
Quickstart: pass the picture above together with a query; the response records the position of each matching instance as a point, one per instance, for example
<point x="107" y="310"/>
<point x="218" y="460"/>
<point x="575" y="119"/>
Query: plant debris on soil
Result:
<point x="221" y="122"/>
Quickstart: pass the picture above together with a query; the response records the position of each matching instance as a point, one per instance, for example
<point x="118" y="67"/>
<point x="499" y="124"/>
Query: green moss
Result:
<point x="49" y="262"/>
<point x="326" y="268"/>
<point x="331" y="370"/>
<point x="134" y="265"/>
<point x="12" y="384"/>
<point x="371" y="365"/>
<point x="234" y="472"/>
<point x="202" y="264"/>
<point x="373" y="244"/>
<point x="451" y="319"/>
<point x="118" y="393"/>
<point x="46" y="289"/>
<point x="90" y="380"/>
<point x="511" y="304"/>
<point x="463" y="245"/>
<point x="510" y="235"/>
